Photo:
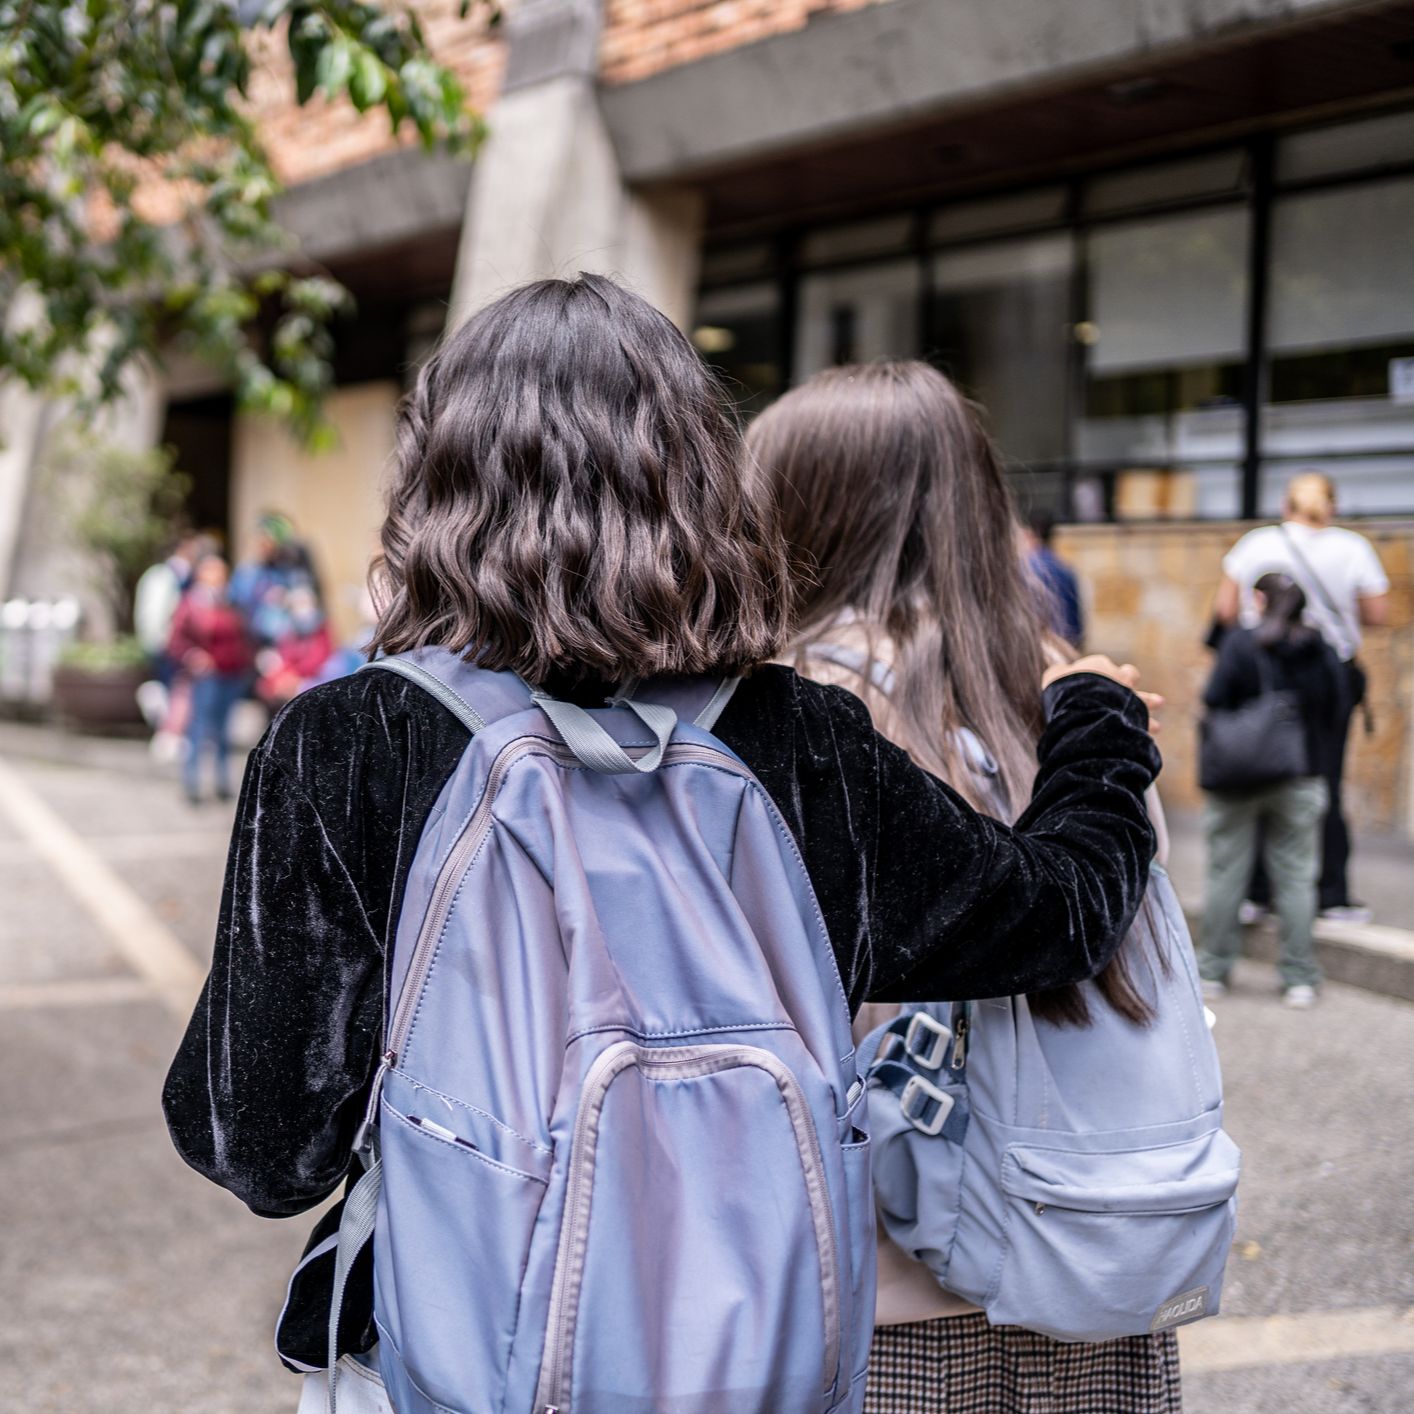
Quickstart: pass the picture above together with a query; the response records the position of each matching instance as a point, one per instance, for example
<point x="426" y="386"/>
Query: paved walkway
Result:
<point x="144" y="1290"/>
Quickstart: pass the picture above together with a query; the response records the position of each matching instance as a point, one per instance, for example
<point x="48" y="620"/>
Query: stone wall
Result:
<point x="1149" y="591"/>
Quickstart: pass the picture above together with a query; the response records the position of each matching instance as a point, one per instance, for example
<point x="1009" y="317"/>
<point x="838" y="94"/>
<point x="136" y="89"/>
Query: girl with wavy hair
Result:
<point x="911" y="591"/>
<point x="568" y="502"/>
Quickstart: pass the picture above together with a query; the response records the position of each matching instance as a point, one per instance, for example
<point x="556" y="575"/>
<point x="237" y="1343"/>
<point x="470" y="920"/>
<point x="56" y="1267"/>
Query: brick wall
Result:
<point x="323" y="137"/>
<point x="1150" y="588"/>
<point x="643" y="37"/>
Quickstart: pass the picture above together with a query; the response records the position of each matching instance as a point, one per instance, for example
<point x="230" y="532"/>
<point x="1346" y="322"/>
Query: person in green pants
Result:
<point x="1281" y="654"/>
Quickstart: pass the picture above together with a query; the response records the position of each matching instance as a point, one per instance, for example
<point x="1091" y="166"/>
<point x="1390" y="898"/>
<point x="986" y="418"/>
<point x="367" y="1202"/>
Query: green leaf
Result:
<point x="369" y="82"/>
<point x="334" y="67"/>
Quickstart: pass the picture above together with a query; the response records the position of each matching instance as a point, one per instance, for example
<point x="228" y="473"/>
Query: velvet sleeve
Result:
<point x="964" y="906"/>
<point x="268" y="1083"/>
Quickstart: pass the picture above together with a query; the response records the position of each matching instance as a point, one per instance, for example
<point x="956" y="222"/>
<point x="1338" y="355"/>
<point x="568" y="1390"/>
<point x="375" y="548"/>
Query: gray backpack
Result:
<point x="1073" y="1180"/>
<point x="615" y="1153"/>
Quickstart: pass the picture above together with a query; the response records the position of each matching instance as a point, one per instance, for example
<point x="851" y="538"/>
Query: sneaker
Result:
<point x="1212" y="988"/>
<point x="1249" y="912"/>
<point x="1348" y="913"/>
<point x="1299" y="998"/>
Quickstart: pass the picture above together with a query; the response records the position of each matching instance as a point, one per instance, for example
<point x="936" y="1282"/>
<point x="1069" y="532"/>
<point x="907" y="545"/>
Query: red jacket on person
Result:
<point x="211" y="626"/>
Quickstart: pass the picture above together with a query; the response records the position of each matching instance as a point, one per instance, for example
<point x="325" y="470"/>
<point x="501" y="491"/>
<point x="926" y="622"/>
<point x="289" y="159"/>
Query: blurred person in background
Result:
<point x="260" y="587"/>
<point x="917" y="606"/>
<point x="1282" y="654"/>
<point x="210" y="645"/>
<point x="1346" y="590"/>
<point x="1058" y="586"/>
<point x="157" y="595"/>
<point x="165" y="700"/>
<point x="298" y="657"/>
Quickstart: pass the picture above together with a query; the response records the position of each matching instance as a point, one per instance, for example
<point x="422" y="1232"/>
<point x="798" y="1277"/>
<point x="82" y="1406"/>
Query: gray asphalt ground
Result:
<point x="131" y="1286"/>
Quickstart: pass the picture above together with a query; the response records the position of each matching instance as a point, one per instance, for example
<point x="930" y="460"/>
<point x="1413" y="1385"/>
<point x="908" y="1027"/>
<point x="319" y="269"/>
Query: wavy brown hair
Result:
<point x="903" y="541"/>
<point x="568" y="499"/>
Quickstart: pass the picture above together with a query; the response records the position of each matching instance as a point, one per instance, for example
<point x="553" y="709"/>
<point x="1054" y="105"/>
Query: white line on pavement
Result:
<point x="1233" y="1342"/>
<point x="94" y="991"/>
<point x="147" y="944"/>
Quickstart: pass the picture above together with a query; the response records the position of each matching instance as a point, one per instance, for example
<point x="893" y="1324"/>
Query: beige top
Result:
<point x="907" y="1290"/>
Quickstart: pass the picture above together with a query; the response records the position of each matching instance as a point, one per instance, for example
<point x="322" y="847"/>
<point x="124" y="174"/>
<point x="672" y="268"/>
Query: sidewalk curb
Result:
<point x="1373" y="956"/>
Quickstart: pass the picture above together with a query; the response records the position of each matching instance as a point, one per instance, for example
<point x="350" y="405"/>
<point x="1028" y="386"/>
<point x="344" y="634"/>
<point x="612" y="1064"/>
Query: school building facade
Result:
<point x="1167" y="243"/>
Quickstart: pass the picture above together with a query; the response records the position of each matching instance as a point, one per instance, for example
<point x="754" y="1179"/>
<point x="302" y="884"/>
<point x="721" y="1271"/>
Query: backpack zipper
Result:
<point x="677" y="1062"/>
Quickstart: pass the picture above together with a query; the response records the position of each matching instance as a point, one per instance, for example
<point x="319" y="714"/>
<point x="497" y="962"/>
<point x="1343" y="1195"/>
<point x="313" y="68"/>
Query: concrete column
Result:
<point x="547" y="194"/>
<point x="35" y="559"/>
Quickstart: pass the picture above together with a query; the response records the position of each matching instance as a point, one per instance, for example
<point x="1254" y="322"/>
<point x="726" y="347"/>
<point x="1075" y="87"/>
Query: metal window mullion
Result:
<point x="1256" y="384"/>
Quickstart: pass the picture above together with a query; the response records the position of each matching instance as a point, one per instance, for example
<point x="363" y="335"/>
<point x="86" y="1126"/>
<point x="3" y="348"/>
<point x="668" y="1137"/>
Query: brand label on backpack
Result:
<point x="1191" y="1306"/>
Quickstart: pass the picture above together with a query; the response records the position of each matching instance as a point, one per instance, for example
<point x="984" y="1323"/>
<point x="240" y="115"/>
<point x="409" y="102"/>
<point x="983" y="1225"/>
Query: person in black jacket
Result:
<point x="1281" y="654"/>
<point x="569" y="501"/>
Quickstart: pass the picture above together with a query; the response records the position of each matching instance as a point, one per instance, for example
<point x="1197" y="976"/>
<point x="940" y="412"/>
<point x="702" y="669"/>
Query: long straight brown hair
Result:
<point x="903" y="540"/>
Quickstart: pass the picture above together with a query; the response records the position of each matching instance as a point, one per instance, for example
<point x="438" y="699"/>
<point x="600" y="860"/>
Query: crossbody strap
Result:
<point x="1308" y="571"/>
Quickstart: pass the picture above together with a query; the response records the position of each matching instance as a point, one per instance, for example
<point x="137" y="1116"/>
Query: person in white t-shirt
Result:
<point x="1346" y="591"/>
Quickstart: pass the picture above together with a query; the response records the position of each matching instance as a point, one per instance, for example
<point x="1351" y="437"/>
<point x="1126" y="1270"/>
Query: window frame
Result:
<point x="1260" y="187"/>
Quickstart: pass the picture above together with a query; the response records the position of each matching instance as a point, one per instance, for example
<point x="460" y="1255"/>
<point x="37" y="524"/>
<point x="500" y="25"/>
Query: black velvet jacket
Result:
<point x="922" y="897"/>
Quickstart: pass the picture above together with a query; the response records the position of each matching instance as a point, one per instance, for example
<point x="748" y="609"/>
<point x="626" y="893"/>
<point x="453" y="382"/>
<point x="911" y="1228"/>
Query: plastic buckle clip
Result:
<point x="890" y="1044"/>
<point x="928" y="1050"/>
<point x="917" y="1095"/>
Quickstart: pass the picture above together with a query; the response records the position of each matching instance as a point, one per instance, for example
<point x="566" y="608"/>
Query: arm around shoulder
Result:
<point x="982" y="909"/>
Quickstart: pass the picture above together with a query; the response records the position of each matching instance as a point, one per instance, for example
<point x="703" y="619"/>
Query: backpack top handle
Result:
<point x="594" y="747"/>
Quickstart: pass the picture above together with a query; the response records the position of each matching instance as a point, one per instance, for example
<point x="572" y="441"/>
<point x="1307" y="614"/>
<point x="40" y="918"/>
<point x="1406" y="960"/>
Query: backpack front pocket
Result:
<point x="1101" y="1244"/>
<point x="697" y="1270"/>
<point x="457" y="1239"/>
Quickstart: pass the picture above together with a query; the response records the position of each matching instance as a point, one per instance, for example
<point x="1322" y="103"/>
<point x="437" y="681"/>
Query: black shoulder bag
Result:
<point x="1257" y="744"/>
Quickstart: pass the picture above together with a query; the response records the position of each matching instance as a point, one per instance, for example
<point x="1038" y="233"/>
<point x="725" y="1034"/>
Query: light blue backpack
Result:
<point x="1073" y="1180"/>
<point x="616" y="1160"/>
<point x="1076" y="1181"/>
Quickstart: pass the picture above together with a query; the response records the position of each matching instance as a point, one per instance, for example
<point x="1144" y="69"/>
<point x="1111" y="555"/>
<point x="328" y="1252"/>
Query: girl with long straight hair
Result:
<point x="911" y="591"/>
<point x="568" y="503"/>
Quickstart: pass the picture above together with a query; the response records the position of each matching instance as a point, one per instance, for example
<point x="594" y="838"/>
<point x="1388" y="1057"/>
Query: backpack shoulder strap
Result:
<point x="476" y="696"/>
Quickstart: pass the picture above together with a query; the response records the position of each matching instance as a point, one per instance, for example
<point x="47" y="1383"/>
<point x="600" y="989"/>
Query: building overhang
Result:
<point x="913" y="98"/>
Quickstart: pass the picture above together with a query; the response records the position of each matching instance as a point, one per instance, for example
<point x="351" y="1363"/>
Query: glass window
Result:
<point x="852" y="316"/>
<point x="1215" y="174"/>
<point x="1164" y="341"/>
<point x="1341" y="342"/>
<point x="1352" y="147"/>
<point x="1000" y="327"/>
<point x="1017" y="211"/>
<point x="738" y="332"/>
<point x="885" y="236"/>
<point x="721" y="264"/>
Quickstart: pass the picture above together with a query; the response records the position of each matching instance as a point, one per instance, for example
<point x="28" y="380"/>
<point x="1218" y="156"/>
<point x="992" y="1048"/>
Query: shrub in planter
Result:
<point x="119" y="509"/>
<point x="95" y="684"/>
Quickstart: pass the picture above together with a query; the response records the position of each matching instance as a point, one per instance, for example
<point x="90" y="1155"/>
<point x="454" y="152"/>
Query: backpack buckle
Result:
<point x="926" y="1040"/>
<point x="917" y="1096"/>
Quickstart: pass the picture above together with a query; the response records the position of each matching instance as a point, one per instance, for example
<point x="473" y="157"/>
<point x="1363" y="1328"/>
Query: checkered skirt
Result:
<point x="963" y="1365"/>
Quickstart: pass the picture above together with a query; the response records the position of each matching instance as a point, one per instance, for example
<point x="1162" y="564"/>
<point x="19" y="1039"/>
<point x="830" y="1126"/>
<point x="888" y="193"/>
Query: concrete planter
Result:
<point x="99" y="699"/>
